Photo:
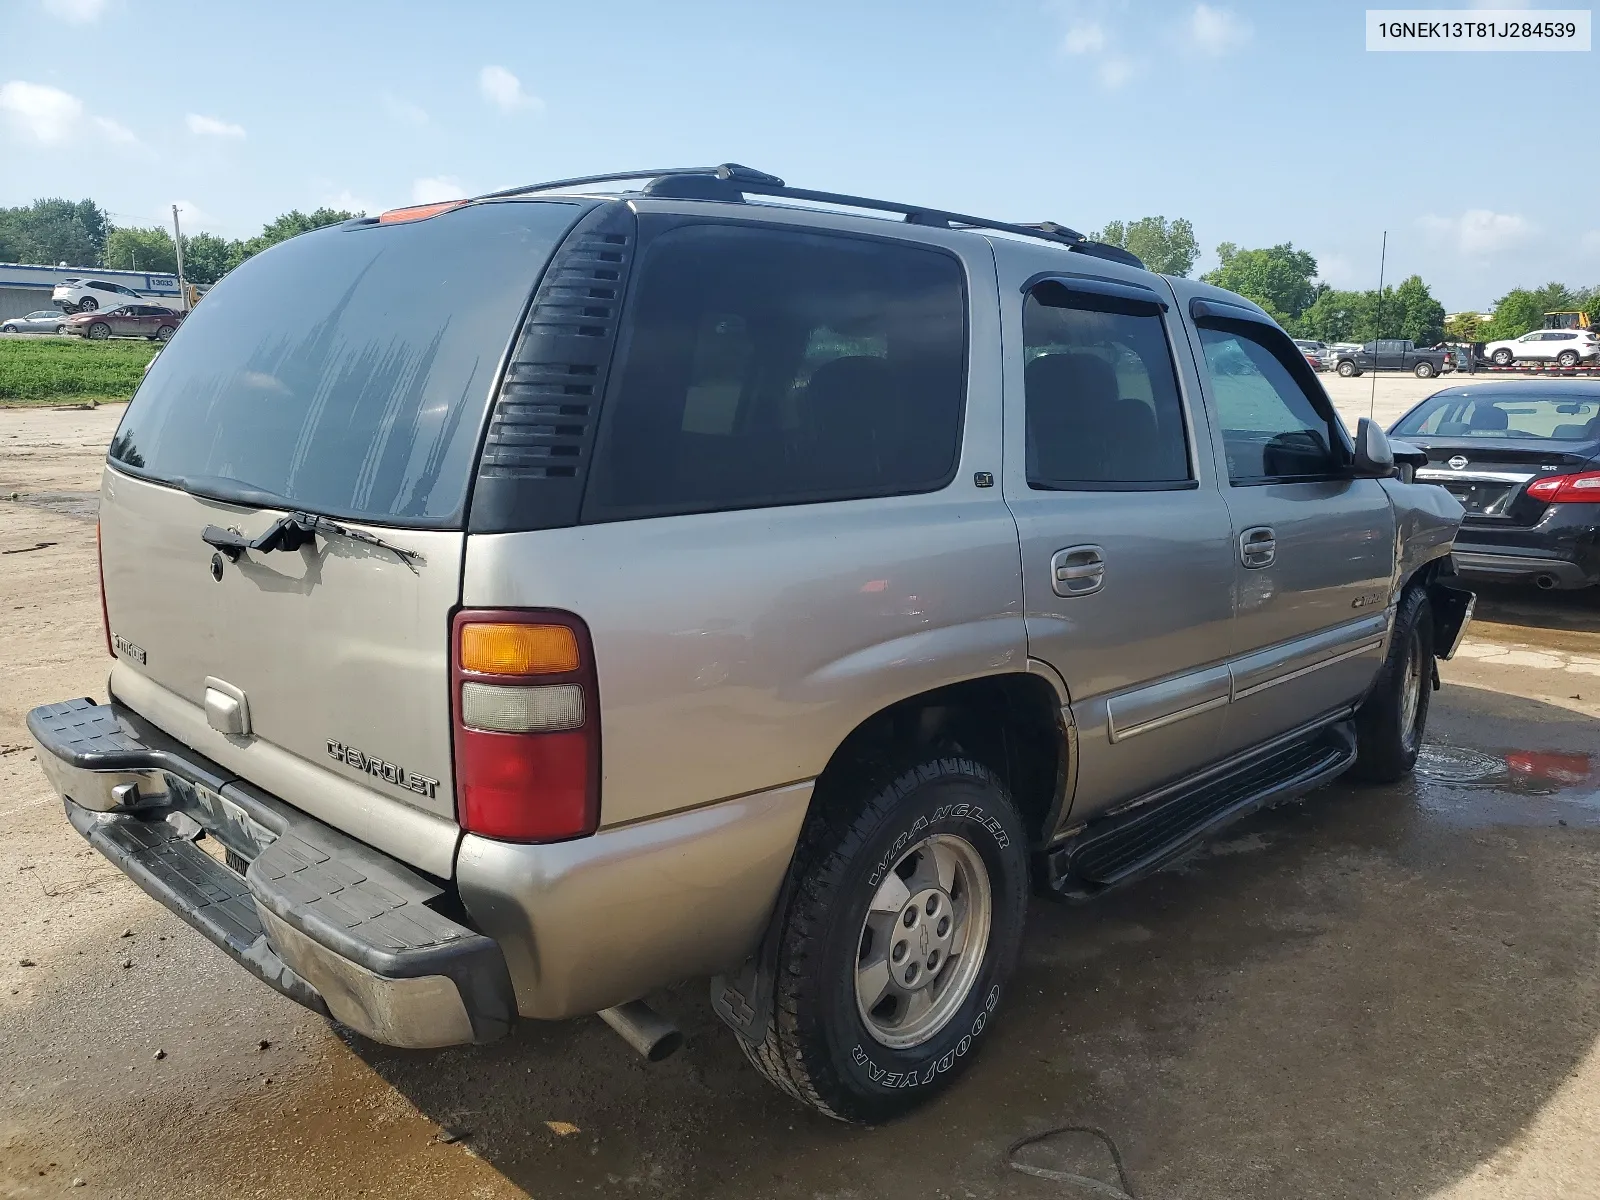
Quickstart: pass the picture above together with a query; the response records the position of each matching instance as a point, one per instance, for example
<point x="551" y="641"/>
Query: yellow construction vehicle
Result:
<point x="1566" y="320"/>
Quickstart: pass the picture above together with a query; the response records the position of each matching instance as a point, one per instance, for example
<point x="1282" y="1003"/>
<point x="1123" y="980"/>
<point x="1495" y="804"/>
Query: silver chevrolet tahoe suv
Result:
<point x="522" y="604"/>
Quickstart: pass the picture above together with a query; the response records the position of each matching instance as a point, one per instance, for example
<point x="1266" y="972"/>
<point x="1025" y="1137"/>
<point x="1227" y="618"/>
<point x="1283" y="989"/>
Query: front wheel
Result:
<point x="99" y="331"/>
<point x="1347" y="369"/>
<point x="1424" y="370"/>
<point x="902" y="930"/>
<point x="8" y="328"/>
<point x="1391" y="722"/>
<point x="1568" y="359"/>
<point x="165" y="332"/>
<point x="1502" y="358"/>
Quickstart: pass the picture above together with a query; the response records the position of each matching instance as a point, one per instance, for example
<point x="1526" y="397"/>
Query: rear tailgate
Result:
<point x="345" y="373"/>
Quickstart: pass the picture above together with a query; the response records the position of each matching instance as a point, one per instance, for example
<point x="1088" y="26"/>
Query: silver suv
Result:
<point x="522" y="604"/>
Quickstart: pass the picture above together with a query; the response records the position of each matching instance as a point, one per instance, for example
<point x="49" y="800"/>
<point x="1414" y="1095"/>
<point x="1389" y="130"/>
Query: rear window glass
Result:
<point x="347" y="370"/>
<point x="765" y="367"/>
<point x="1546" y="417"/>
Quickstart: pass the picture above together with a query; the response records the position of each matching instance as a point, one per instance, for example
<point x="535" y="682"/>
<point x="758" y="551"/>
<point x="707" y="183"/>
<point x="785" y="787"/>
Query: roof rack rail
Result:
<point x="732" y="182"/>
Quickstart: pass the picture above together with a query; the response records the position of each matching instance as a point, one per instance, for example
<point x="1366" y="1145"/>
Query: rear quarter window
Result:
<point x="348" y="370"/>
<point x="763" y="367"/>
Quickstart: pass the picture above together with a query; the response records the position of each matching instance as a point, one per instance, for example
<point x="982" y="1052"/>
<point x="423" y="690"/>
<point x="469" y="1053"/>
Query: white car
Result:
<point x="45" y="320"/>
<point x="90" y="295"/>
<point x="1567" y="347"/>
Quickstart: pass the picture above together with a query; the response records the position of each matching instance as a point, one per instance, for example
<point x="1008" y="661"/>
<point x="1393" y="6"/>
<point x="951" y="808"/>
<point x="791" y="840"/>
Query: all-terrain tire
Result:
<point x="1424" y="370"/>
<point x="818" y="1047"/>
<point x="1347" y="369"/>
<point x="1389" y="728"/>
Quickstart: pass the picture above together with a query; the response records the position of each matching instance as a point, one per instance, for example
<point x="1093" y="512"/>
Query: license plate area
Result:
<point x="1481" y="499"/>
<point x="229" y="834"/>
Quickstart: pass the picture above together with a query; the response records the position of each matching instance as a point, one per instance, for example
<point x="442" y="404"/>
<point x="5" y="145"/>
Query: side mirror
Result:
<point x="1374" y="457"/>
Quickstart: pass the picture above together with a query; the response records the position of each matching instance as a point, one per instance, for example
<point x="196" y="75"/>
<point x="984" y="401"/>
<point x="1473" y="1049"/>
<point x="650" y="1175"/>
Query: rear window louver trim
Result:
<point x="536" y="452"/>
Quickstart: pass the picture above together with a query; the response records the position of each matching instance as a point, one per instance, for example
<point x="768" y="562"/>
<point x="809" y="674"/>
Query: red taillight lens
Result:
<point x="105" y="616"/>
<point x="1567" y="489"/>
<point x="527" y="725"/>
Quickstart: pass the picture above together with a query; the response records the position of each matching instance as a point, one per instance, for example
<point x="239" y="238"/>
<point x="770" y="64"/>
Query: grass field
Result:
<point x="48" y="370"/>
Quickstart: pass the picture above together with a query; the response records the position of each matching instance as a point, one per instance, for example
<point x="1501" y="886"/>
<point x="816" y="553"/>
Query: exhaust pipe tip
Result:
<point x="643" y="1028"/>
<point x="1546" y="582"/>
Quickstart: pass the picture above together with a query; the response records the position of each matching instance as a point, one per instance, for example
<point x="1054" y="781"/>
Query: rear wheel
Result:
<point x="1501" y="357"/>
<point x="1347" y="368"/>
<point x="1391" y="723"/>
<point x="1568" y="358"/>
<point x="1424" y="370"/>
<point x="903" y="927"/>
<point x="88" y="304"/>
<point x="99" y="331"/>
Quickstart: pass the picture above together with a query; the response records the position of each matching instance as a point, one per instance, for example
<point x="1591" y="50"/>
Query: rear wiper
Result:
<point x="297" y="529"/>
<point x="288" y="532"/>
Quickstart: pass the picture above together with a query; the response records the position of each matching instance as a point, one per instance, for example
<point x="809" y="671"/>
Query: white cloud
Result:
<point x="434" y="188"/>
<point x="78" y="12"/>
<point x="504" y="90"/>
<point x="1115" y="70"/>
<point x="1478" y="231"/>
<point x="344" y="200"/>
<point x="1337" y="271"/>
<point x="213" y="126"/>
<point x="1085" y="37"/>
<point x="1216" y="31"/>
<point x="404" y="111"/>
<point x="46" y="114"/>
<point x="51" y="117"/>
<point x="112" y="131"/>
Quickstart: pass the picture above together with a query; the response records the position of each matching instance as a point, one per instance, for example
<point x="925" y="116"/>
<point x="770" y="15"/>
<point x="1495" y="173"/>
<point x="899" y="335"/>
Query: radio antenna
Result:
<point x="1377" y="320"/>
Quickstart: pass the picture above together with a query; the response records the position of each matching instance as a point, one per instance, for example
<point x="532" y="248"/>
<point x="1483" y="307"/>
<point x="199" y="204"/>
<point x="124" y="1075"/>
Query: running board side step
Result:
<point x="1144" y="836"/>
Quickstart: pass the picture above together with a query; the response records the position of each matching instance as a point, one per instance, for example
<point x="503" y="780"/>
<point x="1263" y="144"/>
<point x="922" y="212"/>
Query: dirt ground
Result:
<point x="1376" y="992"/>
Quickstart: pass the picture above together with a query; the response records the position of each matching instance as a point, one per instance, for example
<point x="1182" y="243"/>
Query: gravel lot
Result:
<point x="1377" y="992"/>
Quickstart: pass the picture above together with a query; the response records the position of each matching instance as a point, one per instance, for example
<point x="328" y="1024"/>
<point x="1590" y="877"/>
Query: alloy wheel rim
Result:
<point x="923" y="940"/>
<point x="1411" y="693"/>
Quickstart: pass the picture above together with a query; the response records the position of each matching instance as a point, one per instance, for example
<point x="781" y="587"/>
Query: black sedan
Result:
<point x="1523" y="457"/>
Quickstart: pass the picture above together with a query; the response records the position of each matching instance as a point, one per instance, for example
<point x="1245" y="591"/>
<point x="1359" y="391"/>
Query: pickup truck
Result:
<point x="1391" y="354"/>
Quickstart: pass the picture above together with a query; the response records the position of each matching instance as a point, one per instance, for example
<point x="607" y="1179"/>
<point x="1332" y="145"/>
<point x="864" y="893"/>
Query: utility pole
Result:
<point x="177" y="242"/>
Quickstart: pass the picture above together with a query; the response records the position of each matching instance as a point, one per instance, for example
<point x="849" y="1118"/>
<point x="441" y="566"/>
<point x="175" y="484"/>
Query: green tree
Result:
<point x="207" y="257"/>
<point x="1336" y="316"/>
<point x="1417" y="315"/>
<point x="1523" y="309"/>
<point x="48" y="232"/>
<point x="1277" y="278"/>
<point x="129" y="249"/>
<point x="291" y="223"/>
<point x="1166" y="248"/>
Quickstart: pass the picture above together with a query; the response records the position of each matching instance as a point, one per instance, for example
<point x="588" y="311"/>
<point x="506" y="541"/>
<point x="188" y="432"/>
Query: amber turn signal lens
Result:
<point x="518" y="649"/>
<point x="417" y="212"/>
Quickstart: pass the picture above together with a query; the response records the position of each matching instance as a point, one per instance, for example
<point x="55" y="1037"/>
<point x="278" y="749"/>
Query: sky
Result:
<point x="1260" y="122"/>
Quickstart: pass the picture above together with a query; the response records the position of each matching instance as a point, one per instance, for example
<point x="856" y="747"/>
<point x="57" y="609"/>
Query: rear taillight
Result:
<point x="105" y="616"/>
<point x="527" y="724"/>
<point x="1567" y="489"/>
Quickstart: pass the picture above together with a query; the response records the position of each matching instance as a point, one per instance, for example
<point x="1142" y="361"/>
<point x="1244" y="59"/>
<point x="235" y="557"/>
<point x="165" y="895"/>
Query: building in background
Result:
<point x="25" y="287"/>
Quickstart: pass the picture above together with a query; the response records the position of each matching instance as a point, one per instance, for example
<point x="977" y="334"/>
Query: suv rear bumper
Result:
<point x="327" y="921"/>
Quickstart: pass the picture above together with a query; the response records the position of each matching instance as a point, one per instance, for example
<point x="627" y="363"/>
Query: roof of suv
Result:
<point x="730" y="183"/>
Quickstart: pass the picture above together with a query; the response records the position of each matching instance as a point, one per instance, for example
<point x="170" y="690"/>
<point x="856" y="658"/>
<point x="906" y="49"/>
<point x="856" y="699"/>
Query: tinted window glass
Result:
<point x="1102" y="396"/>
<point x="348" y="370"/>
<point x="99" y="285"/>
<point x="762" y="367"/>
<point x="1270" y="427"/>
<point x="1504" y="415"/>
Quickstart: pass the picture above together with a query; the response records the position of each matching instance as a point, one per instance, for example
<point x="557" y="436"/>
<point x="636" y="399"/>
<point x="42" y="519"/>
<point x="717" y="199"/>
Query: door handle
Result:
<point x="1078" y="570"/>
<point x="1258" y="547"/>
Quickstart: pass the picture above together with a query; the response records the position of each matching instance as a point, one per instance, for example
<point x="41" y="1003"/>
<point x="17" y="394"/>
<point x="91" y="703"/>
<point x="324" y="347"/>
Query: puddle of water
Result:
<point x="1519" y="787"/>
<point x="83" y="505"/>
